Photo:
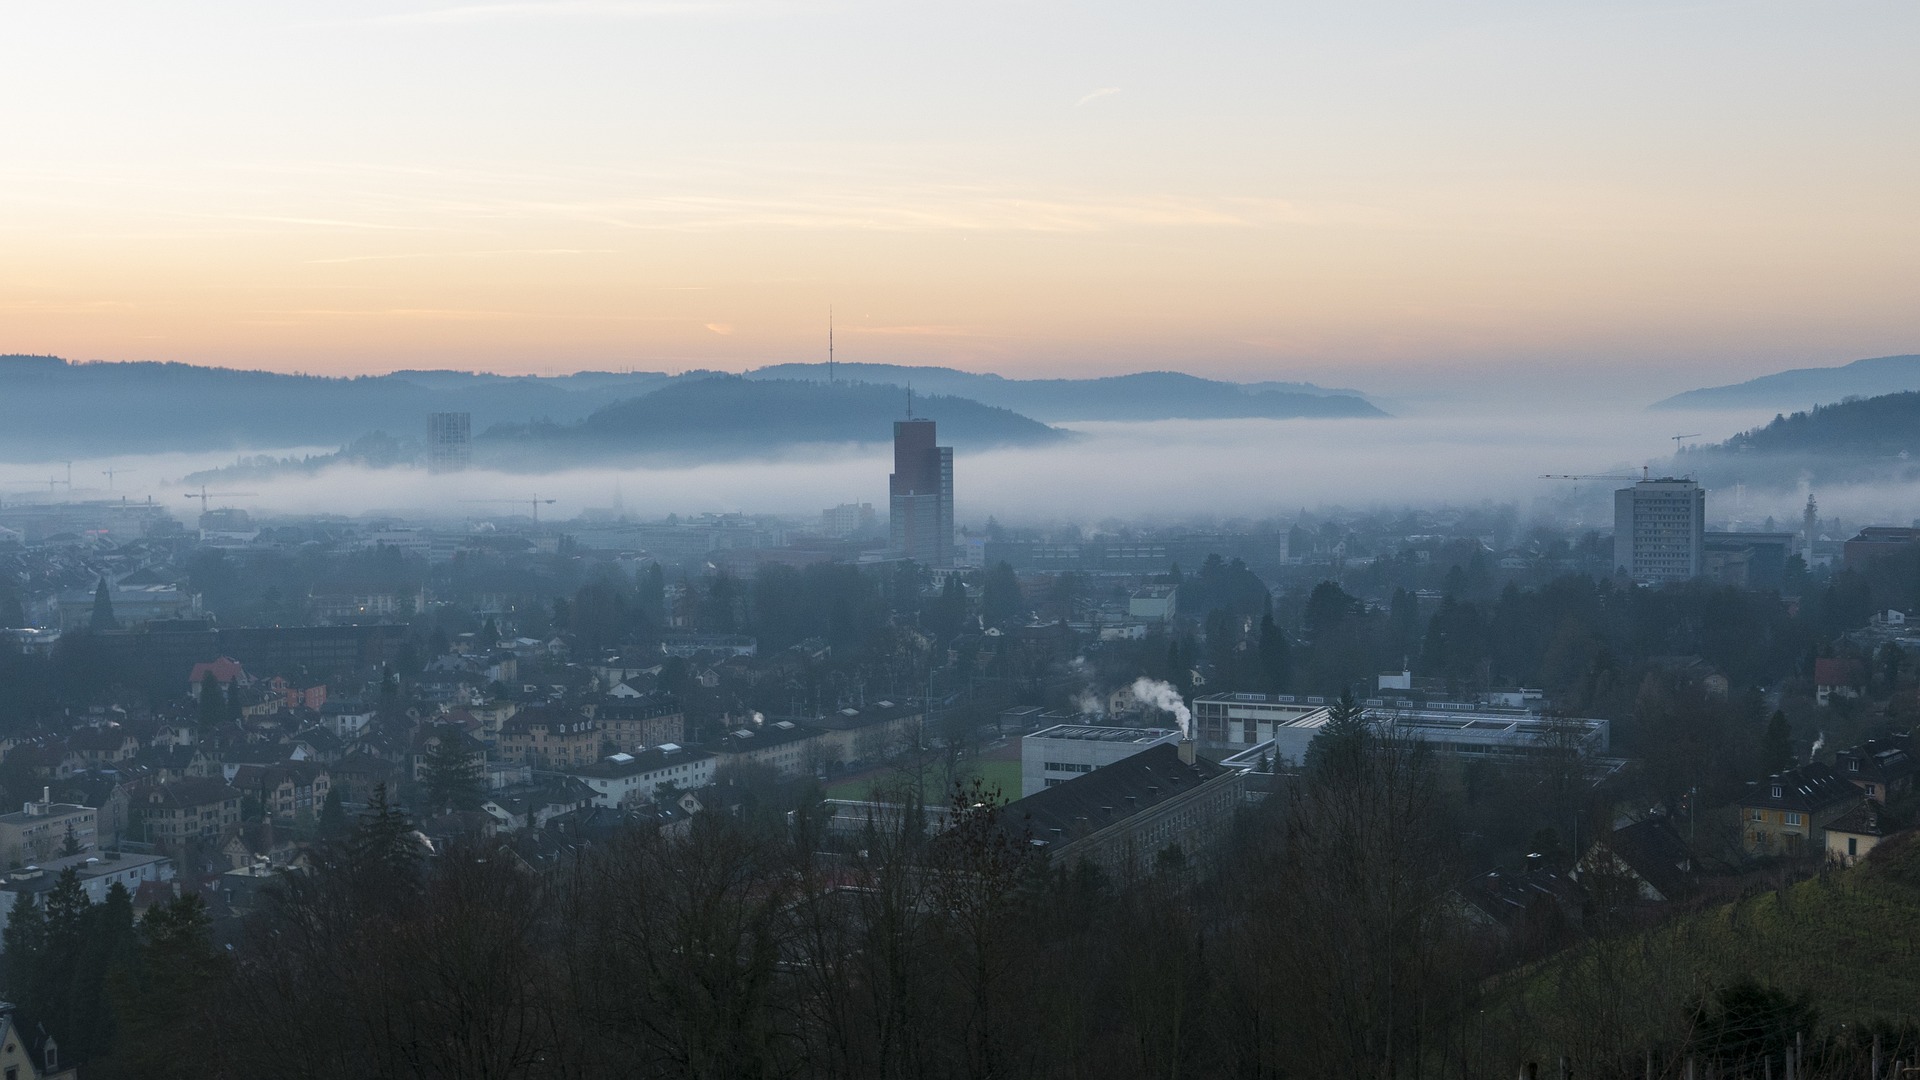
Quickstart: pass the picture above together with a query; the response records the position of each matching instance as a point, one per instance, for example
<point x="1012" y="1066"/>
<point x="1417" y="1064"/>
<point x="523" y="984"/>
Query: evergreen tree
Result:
<point x="1776" y="745"/>
<point x="450" y="774"/>
<point x="1000" y="596"/>
<point x="102" y="608"/>
<point x="211" y="702"/>
<point x="1339" y="752"/>
<point x="333" y="814"/>
<point x="383" y="857"/>
<point x="22" y="947"/>
<point x="1276" y="656"/>
<point x="235" y="706"/>
<point x="160" y="998"/>
<point x="12" y="612"/>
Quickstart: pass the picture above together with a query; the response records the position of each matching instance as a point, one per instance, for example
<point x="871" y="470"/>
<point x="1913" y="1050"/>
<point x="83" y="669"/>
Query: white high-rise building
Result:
<point x="1660" y="530"/>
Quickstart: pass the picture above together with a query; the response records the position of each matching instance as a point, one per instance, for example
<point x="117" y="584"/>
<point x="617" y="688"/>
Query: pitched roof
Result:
<point x="1653" y="850"/>
<point x="1837" y="672"/>
<point x="1109" y="794"/>
<point x="188" y="792"/>
<point x="1808" y="788"/>
<point x="1867" y="819"/>
<point x="1880" y="760"/>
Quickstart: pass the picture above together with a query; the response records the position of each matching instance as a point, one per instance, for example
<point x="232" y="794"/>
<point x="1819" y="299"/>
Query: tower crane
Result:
<point x="1677" y="438"/>
<point x="536" y="502"/>
<point x="1646" y="471"/>
<point x="203" y="495"/>
<point x="110" y="473"/>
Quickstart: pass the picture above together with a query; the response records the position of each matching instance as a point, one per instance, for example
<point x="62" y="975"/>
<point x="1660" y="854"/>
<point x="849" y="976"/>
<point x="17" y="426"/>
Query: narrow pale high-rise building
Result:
<point x="1660" y="530"/>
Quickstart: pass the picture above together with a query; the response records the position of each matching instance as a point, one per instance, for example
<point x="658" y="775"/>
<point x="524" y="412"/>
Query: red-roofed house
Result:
<point x="1836" y="676"/>
<point x="224" y="671"/>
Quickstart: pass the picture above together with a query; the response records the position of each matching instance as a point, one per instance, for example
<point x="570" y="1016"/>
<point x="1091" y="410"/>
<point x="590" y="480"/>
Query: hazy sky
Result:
<point x="1374" y="194"/>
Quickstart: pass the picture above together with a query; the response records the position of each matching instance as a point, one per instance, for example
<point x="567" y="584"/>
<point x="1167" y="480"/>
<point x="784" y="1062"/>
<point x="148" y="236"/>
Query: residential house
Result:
<point x="1837" y="677"/>
<point x="105" y="745"/>
<point x="28" y="1055"/>
<point x="631" y="723"/>
<point x="1858" y="831"/>
<point x="225" y="671"/>
<point x="531" y="806"/>
<point x="1879" y="767"/>
<point x="1788" y="812"/>
<point x="187" y="810"/>
<point x="550" y="737"/>
<point x="285" y="790"/>
<point x="1650" y="855"/>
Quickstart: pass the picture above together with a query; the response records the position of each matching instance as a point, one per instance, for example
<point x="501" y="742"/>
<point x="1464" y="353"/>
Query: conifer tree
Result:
<point x="102" y="608"/>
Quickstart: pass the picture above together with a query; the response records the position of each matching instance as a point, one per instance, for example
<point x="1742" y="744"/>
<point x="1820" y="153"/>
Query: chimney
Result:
<point x="1186" y="751"/>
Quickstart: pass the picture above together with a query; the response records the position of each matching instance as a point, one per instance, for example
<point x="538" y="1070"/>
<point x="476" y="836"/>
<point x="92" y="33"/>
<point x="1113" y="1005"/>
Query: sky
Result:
<point x="1629" y="198"/>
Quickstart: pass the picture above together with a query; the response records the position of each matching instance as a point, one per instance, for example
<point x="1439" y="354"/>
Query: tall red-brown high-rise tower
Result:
<point x="920" y="495"/>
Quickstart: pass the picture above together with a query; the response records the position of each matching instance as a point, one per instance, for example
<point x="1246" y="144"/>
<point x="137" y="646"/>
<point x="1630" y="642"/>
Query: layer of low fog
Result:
<point x="1161" y="471"/>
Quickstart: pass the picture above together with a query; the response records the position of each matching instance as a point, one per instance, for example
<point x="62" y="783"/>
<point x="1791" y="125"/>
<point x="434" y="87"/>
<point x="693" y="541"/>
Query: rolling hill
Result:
<point x="1803" y="388"/>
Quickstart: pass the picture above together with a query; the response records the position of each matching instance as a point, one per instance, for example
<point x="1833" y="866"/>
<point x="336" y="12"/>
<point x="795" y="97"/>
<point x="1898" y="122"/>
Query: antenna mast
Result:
<point x="909" y="401"/>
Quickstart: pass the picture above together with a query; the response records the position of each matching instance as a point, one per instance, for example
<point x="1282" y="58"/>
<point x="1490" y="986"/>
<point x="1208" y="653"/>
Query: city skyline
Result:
<point x="1685" y="194"/>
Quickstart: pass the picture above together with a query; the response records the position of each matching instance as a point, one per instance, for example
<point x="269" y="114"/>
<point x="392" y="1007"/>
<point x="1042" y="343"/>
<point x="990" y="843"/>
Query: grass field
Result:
<point x="999" y="766"/>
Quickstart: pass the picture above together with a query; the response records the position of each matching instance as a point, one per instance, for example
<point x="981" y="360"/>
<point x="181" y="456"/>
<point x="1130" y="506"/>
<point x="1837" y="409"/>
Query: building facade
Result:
<point x="1055" y="755"/>
<point x="449" y="441"/>
<point x="920" y="495"/>
<point x="1660" y="530"/>
<point x="630" y="779"/>
<point x="1788" y="813"/>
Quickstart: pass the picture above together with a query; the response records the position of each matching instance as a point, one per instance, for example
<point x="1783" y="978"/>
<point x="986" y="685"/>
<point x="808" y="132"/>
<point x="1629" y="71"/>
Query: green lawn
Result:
<point x="1005" y="774"/>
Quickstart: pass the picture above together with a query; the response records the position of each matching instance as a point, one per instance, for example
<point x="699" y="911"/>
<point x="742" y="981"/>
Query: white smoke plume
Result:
<point x="1163" y="696"/>
<point x="1819" y="743"/>
<point x="1088" y="703"/>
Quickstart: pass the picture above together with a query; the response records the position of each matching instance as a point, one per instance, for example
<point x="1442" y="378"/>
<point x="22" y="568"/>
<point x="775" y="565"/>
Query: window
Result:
<point x="1758" y="815"/>
<point x="1776" y="791"/>
<point x="1793" y="819"/>
<point x="1853" y="845"/>
<point x="1871" y="791"/>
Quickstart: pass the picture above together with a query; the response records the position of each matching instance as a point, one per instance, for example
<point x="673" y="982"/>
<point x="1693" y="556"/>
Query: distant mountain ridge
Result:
<point x="1803" y="388"/>
<point x="51" y="409"/>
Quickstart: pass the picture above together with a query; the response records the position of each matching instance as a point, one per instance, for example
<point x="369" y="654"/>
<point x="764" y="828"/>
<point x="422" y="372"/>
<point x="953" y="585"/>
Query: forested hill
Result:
<point x="1145" y="395"/>
<point x="728" y="416"/>
<point x="1858" y="440"/>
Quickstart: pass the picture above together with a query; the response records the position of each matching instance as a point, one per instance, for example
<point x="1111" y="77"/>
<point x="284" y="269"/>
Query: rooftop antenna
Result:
<point x="909" y="401"/>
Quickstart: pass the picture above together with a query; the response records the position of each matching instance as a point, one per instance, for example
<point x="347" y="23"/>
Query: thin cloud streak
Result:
<point x="475" y="14"/>
<point x="1105" y="91"/>
<point x="463" y="254"/>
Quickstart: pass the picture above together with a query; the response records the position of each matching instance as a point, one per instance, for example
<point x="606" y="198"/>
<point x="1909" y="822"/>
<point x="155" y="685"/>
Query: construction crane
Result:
<point x="1676" y="438"/>
<point x="1645" y="472"/>
<point x="203" y="495"/>
<point x="535" y="503"/>
<point x="110" y="473"/>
